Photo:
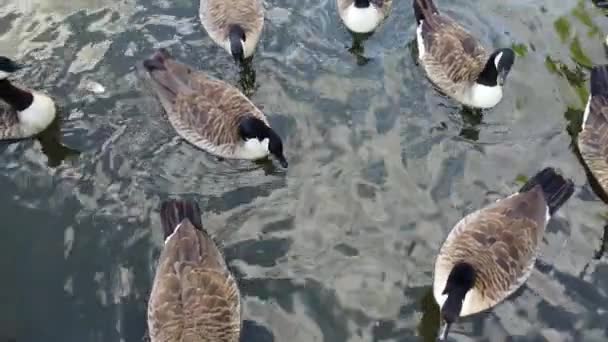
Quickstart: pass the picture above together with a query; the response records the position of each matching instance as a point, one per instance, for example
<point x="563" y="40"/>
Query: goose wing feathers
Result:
<point x="451" y="51"/>
<point x="500" y="242"/>
<point x="213" y="111"/>
<point x="593" y="139"/>
<point x="194" y="297"/>
<point x="203" y="110"/>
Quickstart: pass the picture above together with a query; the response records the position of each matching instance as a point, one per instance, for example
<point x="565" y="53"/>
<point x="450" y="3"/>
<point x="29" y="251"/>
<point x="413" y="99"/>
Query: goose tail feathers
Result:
<point x="167" y="77"/>
<point x="173" y="212"/>
<point x="422" y="8"/>
<point x="556" y="188"/>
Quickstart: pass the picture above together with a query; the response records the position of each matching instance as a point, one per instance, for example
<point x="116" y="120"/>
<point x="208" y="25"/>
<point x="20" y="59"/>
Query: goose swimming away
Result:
<point x="456" y="62"/>
<point x="363" y="16"/>
<point x="211" y="114"/>
<point x="194" y="296"/>
<point x="593" y="138"/>
<point x="235" y="25"/>
<point x="491" y="252"/>
<point x="24" y="113"/>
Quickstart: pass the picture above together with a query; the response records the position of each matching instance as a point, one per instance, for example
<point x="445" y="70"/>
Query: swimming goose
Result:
<point x="235" y="25"/>
<point x="363" y="16"/>
<point x="456" y="62"/>
<point x="593" y="138"/>
<point x="491" y="252"/>
<point x="24" y="112"/>
<point x="194" y="296"/>
<point x="211" y="114"/>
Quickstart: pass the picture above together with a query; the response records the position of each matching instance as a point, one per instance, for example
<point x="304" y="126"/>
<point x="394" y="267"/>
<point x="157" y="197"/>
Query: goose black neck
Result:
<point x="460" y="281"/>
<point x="18" y="99"/>
<point x="362" y="3"/>
<point x="236" y="36"/>
<point x="251" y="127"/>
<point x="489" y="74"/>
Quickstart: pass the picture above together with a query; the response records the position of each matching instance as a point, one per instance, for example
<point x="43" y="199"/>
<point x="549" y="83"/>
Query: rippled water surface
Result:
<point x="341" y="246"/>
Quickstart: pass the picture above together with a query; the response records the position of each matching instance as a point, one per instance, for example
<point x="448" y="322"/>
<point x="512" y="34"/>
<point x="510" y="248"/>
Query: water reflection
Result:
<point x="247" y="77"/>
<point x="471" y="119"/>
<point x="430" y="322"/>
<point x="357" y="49"/>
<point x="52" y="147"/>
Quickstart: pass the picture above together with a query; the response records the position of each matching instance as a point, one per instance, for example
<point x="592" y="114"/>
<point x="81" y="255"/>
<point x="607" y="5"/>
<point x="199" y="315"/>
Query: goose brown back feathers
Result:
<point x="194" y="296"/>
<point x="203" y="110"/>
<point x="593" y="139"/>
<point x="217" y="16"/>
<point x="500" y="242"/>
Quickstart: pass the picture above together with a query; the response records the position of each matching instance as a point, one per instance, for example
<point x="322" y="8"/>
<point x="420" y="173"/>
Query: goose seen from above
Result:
<point x="211" y="114"/>
<point x="491" y="252"/>
<point x="235" y="25"/>
<point x="194" y="296"/>
<point x="456" y="62"/>
<point x="363" y="16"/>
<point x="593" y="138"/>
<point x="23" y="112"/>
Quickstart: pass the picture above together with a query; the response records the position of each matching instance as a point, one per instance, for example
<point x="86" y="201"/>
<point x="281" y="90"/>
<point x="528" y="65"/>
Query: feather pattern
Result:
<point x="218" y="15"/>
<point x="500" y="242"/>
<point x="203" y="110"/>
<point x="452" y="58"/>
<point x="593" y="138"/>
<point x="194" y="296"/>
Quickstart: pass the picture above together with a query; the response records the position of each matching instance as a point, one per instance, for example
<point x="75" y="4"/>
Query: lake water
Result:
<point x="341" y="246"/>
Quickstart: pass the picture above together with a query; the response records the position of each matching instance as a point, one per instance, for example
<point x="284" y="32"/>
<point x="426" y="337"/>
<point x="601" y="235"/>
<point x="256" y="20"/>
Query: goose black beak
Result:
<point x="502" y="76"/>
<point x="283" y="162"/>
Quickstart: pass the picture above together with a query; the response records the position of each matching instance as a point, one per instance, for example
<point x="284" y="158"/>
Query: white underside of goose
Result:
<point x="362" y="20"/>
<point x="481" y="96"/>
<point x="252" y="149"/>
<point x="38" y="116"/>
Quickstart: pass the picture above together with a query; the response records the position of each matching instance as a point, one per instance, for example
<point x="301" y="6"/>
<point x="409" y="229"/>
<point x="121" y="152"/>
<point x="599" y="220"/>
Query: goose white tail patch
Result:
<point x="482" y="96"/>
<point x="420" y="41"/>
<point x="586" y="114"/>
<point x="362" y="20"/>
<point x="172" y="234"/>
<point x="38" y="115"/>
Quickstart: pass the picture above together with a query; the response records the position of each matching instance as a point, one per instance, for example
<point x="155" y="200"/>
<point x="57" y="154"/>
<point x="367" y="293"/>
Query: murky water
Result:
<point x="341" y="246"/>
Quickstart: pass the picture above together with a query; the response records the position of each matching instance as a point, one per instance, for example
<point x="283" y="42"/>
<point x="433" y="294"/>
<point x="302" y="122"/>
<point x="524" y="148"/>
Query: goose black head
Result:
<point x="254" y="128"/>
<point x="362" y="3"/>
<point x="237" y="38"/>
<point x="497" y="68"/>
<point x="460" y="281"/>
<point x="8" y="66"/>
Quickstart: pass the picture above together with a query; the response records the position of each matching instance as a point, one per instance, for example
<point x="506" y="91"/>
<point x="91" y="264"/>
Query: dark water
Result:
<point x="341" y="246"/>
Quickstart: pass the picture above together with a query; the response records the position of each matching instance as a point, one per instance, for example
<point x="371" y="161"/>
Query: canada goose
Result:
<point x="194" y="296"/>
<point x="363" y="16"/>
<point x="235" y="25"/>
<point x="23" y="113"/>
<point x="456" y="62"/>
<point x="491" y="252"/>
<point x="211" y="114"/>
<point x="593" y="138"/>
